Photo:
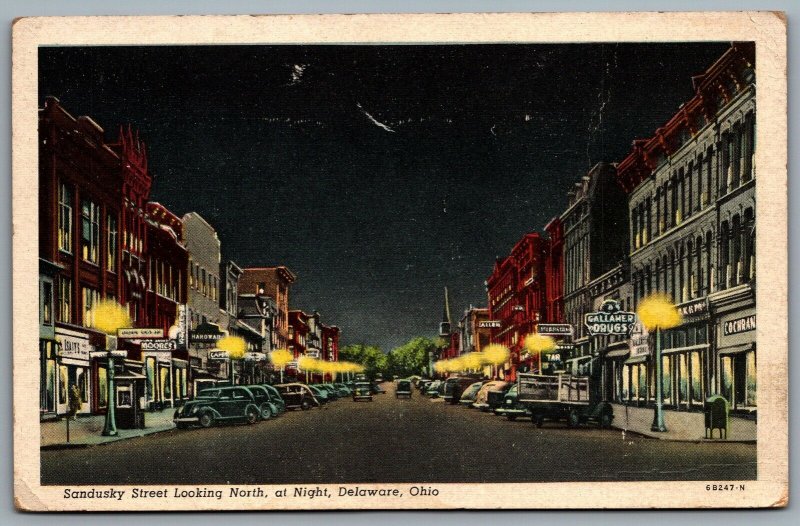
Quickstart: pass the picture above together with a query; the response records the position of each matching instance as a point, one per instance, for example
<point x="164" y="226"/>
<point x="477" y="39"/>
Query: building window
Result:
<point x="90" y="298"/>
<point x="90" y="230"/>
<point x="64" y="300"/>
<point x="191" y="273"/>
<point x="47" y="303"/>
<point x="64" y="218"/>
<point x="203" y="284"/>
<point x="111" y="244"/>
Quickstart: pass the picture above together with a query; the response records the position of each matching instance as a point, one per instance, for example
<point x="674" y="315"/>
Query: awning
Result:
<point x="129" y="375"/>
<point x="618" y="349"/>
<point x="698" y="347"/>
<point x="736" y="349"/>
<point x="636" y="359"/>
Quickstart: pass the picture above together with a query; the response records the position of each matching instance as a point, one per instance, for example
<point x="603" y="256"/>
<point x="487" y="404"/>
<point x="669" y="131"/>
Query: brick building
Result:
<point x="275" y="283"/>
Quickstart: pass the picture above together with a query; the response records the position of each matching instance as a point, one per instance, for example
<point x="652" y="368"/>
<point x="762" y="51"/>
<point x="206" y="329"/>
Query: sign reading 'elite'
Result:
<point x="611" y="319"/>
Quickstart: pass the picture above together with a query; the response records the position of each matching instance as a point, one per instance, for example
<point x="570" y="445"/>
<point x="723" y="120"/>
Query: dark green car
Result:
<point x="362" y="391"/>
<point x="218" y="405"/>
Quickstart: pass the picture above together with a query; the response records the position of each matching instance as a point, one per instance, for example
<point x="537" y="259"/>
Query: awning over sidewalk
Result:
<point x="641" y="358"/>
<point x="617" y="350"/>
<point x="736" y="349"/>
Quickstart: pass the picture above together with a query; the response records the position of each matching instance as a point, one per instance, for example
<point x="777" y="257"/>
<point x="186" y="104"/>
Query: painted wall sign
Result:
<point x="74" y="347"/>
<point x="489" y="324"/>
<point x="218" y="355"/>
<point x="739" y="325"/>
<point x="141" y="333"/>
<point x="640" y="338"/>
<point x="693" y="308"/>
<point x="611" y="319"/>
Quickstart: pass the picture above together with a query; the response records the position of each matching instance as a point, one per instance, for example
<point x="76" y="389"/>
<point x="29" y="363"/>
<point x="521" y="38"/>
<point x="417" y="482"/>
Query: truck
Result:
<point x="563" y="397"/>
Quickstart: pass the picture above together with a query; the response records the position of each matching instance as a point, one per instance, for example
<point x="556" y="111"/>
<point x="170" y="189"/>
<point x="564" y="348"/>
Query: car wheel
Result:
<point x="266" y="412"/>
<point x="304" y="405"/>
<point x="605" y="421"/>
<point x="206" y="420"/>
<point x="572" y="419"/>
<point x="252" y="416"/>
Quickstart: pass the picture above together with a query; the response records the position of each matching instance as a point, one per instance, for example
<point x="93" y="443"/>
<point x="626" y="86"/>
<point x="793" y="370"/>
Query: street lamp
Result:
<point x="658" y="312"/>
<point x="235" y="347"/>
<point x="108" y="317"/>
<point x="280" y="357"/>
<point x="495" y="354"/>
<point x="539" y="343"/>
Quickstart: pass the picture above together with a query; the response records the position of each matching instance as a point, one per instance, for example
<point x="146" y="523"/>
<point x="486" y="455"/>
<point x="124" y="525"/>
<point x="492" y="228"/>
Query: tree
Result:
<point x="411" y="358"/>
<point x="370" y="356"/>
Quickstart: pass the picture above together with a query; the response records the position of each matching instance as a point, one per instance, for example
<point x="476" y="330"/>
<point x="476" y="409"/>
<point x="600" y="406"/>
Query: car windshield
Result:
<point x="472" y="389"/>
<point x="404" y="385"/>
<point x="513" y="390"/>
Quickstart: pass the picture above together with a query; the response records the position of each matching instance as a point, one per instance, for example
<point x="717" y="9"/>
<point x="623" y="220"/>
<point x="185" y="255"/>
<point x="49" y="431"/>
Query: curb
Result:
<point x="684" y="440"/>
<point x="83" y="445"/>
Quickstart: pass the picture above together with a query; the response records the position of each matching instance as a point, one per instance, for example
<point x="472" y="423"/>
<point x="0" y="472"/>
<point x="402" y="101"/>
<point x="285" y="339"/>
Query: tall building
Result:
<point x="691" y="193"/>
<point x="275" y="283"/>
<point x="554" y="272"/>
<point x="595" y="229"/>
<point x="517" y="301"/>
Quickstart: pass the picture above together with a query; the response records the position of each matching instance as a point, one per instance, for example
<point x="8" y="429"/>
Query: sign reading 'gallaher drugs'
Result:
<point x="611" y="319"/>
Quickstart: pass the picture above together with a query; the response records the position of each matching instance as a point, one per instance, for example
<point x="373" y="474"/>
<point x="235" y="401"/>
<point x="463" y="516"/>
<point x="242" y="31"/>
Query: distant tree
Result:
<point x="411" y="358"/>
<point x="370" y="356"/>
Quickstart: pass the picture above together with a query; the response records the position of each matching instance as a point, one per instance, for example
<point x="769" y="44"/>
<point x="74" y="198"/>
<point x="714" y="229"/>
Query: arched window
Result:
<point x="724" y="256"/>
<point x="657" y="274"/>
<point x="749" y="237"/>
<point x="691" y="278"/>
<point x="699" y="266"/>
<point x="709" y="263"/>
<point x="737" y="266"/>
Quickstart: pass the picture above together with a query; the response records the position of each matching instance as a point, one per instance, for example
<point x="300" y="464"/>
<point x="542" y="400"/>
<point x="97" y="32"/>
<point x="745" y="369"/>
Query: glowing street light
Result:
<point x="658" y="312"/>
<point x="281" y="357"/>
<point x="494" y="354"/>
<point x="235" y="347"/>
<point x="539" y="343"/>
<point x="108" y="317"/>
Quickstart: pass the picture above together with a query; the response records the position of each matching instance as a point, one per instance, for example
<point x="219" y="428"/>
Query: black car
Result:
<point x="362" y="391"/>
<point x="212" y="406"/>
<point x="297" y="396"/>
<point x="403" y="389"/>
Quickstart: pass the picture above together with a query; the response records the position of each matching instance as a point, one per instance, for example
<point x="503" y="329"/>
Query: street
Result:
<point x="391" y="440"/>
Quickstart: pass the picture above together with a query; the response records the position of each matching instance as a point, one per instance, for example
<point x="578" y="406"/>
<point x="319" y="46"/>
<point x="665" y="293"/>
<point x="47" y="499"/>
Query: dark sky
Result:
<point x="378" y="174"/>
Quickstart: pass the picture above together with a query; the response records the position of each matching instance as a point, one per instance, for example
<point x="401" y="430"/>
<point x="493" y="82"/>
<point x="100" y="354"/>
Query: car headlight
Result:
<point x="194" y="409"/>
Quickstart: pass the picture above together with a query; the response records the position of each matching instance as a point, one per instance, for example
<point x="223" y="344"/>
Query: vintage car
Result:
<point x="218" y="405"/>
<point x="275" y="398"/>
<point x="362" y="391"/>
<point x="265" y="406"/>
<point x="454" y="387"/>
<point x="297" y="396"/>
<point x="344" y="390"/>
<point x="323" y="395"/>
<point x="432" y="390"/>
<point x="469" y="394"/>
<point x="403" y="389"/>
<point x="482" y="398"/>
<point x="511" y="408"/>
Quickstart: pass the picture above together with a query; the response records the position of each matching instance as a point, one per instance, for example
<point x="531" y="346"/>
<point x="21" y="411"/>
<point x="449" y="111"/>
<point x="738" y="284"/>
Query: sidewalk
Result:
<point x="87" y="430"/>
<point x="681" y="426"/>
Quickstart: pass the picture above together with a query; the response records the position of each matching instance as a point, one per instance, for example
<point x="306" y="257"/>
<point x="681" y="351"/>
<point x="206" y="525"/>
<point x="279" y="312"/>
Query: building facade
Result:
<point x="595" y="237"/>
<point x="275" y="283"/>
<point x="691" y="192"/>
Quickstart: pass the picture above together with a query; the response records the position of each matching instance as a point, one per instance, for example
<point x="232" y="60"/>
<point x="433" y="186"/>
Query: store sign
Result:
<point x="312" y="353"/>
<point x="610" y="319"/>
<point x="105" y="354"/>
<point x="218" y="355"/>
<point x="75" y="348"/>
<point x="739" y="325"/>
<point x="489" y="324"/>
<point x="639" y="342"/>
<point x="159" y="345"/>
<point x="255" y="356"/>
<point x="204" y="337"/>
<point x="140" y="334"/>
<point x="180" y="323"/>
<point x="693" y="308"/>
<point x="555" y="329"/>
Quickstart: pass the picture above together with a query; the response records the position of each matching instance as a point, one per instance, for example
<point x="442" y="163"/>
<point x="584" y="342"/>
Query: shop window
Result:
<point x="696" y="371"/>
<point x="90" y="231"/>
<point x="150" y="375"/>
<point x="102" y="386"/>
<point x="666" y="385"/>
<point x="48" y="387"/>
<point x="64" y="218"/>
<point x="111" y="243"/>
<point x="642" y="382"/>
<point x="726" y="378"/>
<point x="683" y="378"/>
<point x="751" y="398"/>
<point x="166" y="390"/>
<point x="184" y="385"/>
<point x="63" y="381"/>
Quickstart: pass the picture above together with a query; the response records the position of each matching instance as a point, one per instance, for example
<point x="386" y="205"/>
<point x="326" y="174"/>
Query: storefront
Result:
<point x="158" y="374"/>
<point x="70" y="365"/>
<point x="614" y="356"/>
<point x="736" y="354"/>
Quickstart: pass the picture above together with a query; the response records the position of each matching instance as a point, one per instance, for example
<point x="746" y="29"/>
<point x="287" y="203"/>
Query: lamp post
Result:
<point x="658" y="312"/>
<point x="108" y="317"/>
<point x="540" y="343"/>
<point x="235" y="347"/>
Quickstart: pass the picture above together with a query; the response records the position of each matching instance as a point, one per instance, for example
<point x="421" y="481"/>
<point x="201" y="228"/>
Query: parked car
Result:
<point x="275" y="398"/>
<point x="495" y="397"/>
<point x="403" y="389"/>
<point x="321" y="394"/>
<point x="454" y="387"/>
<point x="265" y="406"/>
<point x="482" y="398"/>
<point x="344" y="390"/>
<point x="423" y="385"/>
<point x="377" y="389"/>
<point x="511" y="407"/>
<point x="362" y="391"/>
<point x="432" y="390"/>
<point x="297" y="396"/>
<point x="469" y="394"/>
<point x="218" y="405"/>
<point x="330" y="393"/>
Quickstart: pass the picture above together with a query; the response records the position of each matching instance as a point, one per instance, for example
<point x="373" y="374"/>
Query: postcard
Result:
<point x="400" y="261"/>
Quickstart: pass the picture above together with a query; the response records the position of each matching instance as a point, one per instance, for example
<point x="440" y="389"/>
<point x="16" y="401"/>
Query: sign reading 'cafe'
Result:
<point x="611" y="319"/>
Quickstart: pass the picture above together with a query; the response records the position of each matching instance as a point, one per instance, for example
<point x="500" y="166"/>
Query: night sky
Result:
<point x="378" y="174"/>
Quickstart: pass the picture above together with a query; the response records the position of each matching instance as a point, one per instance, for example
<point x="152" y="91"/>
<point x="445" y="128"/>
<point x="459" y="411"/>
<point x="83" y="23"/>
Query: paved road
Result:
<point x="391" y="440"/>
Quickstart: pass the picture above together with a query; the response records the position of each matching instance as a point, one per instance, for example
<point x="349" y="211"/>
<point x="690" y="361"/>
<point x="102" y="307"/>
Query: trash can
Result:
<point x="717" y="415"/>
